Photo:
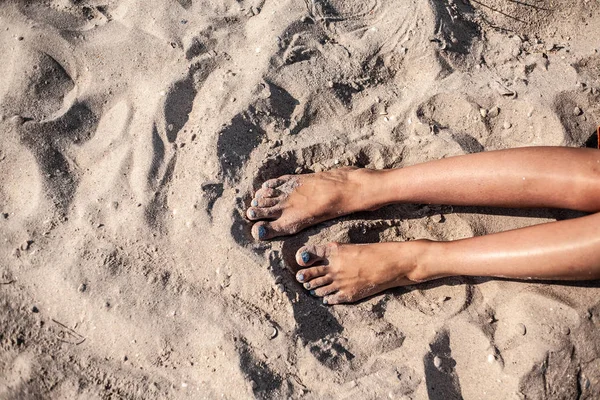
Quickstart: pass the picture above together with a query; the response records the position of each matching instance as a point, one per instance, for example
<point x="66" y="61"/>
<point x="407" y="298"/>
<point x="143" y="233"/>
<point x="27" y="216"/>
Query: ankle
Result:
<point x="369" y="184"/>
<point x="426" y="256"/>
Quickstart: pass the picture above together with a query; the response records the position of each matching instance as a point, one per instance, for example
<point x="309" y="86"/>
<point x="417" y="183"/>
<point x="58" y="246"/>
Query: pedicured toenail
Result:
<point x="325" y="301"/>
<point x="262" y="232"/>
<point x="312" y="293"/>
<point x="305" y="257"/>
<point x="300" y="277"/>
<point x="252" y="214"/>
<point x="254" y="203"/>
<point x="307" y="285"/>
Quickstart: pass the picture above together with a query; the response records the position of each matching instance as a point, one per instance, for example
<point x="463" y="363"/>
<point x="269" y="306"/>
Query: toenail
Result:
<point x="325" y="301"/>
<point x="252" y="214"/>
<point x="307" y="285"/>
<point x="262" y="232"/>
<point x="300" y="277"/>
<point x="265" y="185"/>
<point x="312" y="293"/>
<point x="254" y="203"/>
<point x="305" y="257"/>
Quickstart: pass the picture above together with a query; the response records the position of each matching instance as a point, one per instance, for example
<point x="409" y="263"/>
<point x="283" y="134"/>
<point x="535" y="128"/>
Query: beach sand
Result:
<point x="133" y="134"/>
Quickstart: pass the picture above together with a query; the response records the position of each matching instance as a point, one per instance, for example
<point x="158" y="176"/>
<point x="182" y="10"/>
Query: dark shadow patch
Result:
<point x="158" y="156"/>
<point x="331" y="353"/>
<point x="185" y="3"/>
<point x="211" y="191"/>
<point x="49" y="141"/>
<point x="378" y="309"/>
<point x="540" y="213"/>
<point x="280" y="102"/>
<point x="455" y="27"/>
<point x="468" y="143"/>
<point x="156" y="209"/>
<point x="592" y="142"/>
<point x="178" y="106"/>
<point x="266" y="382"/>
<point x="196" y="48"/>
<point x="314" y="321"/>
<point x="180" y="97"/>
<point x="442" y="382"/>
<point x="236" y="142"/>
<point x="200" y="45"/>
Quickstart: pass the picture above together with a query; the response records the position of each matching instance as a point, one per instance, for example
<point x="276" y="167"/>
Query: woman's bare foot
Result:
<point x="344" y="273"/>
<point x="294" y="202"/>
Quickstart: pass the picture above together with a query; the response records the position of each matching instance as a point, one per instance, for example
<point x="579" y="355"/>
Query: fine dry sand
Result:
<point x="133" y="133"/>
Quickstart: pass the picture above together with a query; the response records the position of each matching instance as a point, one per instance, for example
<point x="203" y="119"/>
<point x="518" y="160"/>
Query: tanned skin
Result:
<point x="554" y="177"/>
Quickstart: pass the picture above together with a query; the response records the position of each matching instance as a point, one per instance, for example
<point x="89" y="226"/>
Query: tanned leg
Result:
<point x="526" y="177"/>
<point x="565" y="250"/>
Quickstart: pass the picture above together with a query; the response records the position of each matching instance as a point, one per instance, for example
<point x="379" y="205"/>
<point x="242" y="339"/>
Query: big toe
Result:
<point x="308" y="255"/>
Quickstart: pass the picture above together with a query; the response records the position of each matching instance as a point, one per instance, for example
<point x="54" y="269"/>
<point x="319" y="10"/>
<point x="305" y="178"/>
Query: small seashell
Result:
<point x="273" y="333"/>
<point x="507" y="125"/>
<point x="437" y="362"/>
<point x="483" y="112"/>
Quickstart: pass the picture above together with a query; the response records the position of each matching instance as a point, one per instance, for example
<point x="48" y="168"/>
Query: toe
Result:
<point x="267" y="230"/>
<point x="336" y="298"/>
<point x="265" y="202"/>
<point x="266" y="193"/>
<point x="306" y="275"/>
<point x="273" y="183"/>
<point x="255" y="213"/>
<point x="308" y="255"/>
<point x="324" y="290"/>
<point x="318" y="282"/>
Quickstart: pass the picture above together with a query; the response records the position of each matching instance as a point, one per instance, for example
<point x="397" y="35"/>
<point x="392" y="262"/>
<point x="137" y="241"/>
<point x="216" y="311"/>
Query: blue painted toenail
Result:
<point x="300" y="277"/>
<point x="312" y="293"/>
<point x="307" y="285"/>
<point x="252" y="214"/>
<point x="254" y="203"/>
<point x="305" y="257"/>
<point x="324" y="301"/>
<point x="262" y="232"/>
